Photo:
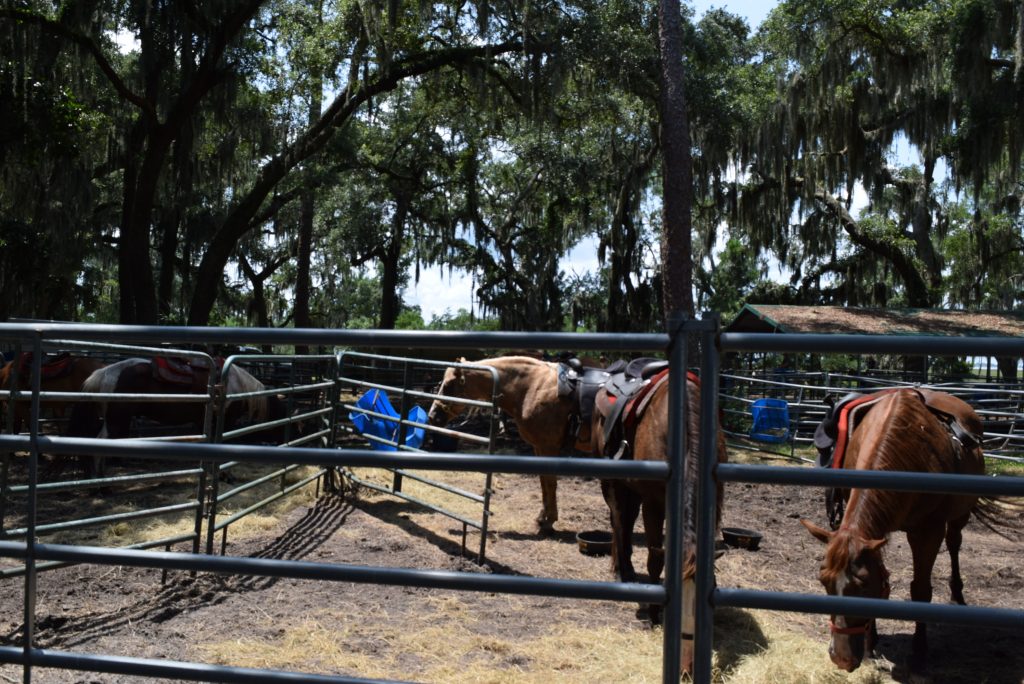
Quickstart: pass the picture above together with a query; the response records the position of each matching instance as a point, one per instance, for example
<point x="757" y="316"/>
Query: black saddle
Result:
<point x="621" y="379"/>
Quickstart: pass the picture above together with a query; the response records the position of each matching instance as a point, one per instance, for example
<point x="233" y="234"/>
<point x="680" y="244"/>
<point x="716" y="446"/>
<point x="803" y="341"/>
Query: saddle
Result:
<point x="583" y="387"/>
<point x="623" y="401"/>
<point x="193" y="374"/>
<point x="845" y="414"/>
<point x="52" y="368"/>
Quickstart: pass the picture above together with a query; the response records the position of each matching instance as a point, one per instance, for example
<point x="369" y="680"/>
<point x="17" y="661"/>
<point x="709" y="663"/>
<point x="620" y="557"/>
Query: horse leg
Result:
<point x="924" y="546"/>
<point x="549" y="496"/>
<point x="654" y="533"/>
<point x="954" y="538"/>
<point x="623" y="507"/>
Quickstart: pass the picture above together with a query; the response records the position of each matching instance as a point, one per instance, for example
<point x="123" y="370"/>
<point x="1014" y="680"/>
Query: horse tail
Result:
<point x="1003" y="515"/>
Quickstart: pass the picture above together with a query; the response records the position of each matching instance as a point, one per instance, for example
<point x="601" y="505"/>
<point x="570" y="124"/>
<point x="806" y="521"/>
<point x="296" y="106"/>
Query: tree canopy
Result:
<point x="271" y="162"/>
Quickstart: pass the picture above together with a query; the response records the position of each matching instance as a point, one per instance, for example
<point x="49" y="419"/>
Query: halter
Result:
<point x="861" y="629"/>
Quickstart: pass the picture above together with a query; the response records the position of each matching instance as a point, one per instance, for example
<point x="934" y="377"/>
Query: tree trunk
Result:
<point x="307" y="214"/>
<point x="677" y="168"/>
<point x="390" y="265"/>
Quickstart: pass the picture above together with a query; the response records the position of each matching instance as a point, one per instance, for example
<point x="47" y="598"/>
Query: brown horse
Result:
<point x="899" y="433"/>
<point x="626" y="498"/>
<point x="527" y="390"/>
<point x="64" y="373"/>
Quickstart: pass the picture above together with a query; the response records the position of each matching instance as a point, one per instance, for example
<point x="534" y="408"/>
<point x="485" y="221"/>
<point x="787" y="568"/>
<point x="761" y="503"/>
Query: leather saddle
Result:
<point x="606" y="390"/>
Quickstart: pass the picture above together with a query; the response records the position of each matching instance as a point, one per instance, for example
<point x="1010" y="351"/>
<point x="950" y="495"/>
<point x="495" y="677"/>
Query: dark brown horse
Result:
<point x="904" y="430"/>
<point x="527" y="390"/>
<point x="63" y="373"/>
<point x="627" y="498"/>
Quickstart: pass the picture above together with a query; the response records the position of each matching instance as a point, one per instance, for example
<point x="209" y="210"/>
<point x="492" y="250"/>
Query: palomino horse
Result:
<point x="626" y="498"/>
<point x="903" y="430"/>
<point x="63" y="373"/>
<point x="527" y="390"/>
<point x="142" y="376"/>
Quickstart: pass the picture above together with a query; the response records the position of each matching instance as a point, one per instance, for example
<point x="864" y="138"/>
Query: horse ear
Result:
<point x="818" y="533"/>
<point x="874" y="544"/>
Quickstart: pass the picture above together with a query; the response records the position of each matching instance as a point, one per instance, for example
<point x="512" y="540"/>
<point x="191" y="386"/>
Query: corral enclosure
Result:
<point x="370" y="631"/>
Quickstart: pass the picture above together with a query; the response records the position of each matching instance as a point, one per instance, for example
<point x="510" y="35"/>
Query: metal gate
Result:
<point x="668" y="595"/>
<point x="410" y="379"/>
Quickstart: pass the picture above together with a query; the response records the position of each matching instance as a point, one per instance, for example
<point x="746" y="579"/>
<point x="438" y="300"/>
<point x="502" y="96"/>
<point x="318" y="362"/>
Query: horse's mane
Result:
<point x="507" y="360"/>
<point x="891" y="444"/>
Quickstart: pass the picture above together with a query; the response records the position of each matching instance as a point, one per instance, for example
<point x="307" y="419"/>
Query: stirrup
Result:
<point x="621" y="452"/>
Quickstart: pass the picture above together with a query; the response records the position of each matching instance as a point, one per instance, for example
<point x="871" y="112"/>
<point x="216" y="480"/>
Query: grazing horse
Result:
<point x="63" y="373"/>
<point x="915" y="430"/>
<point x="626" y="498"/>
<point x="144" y="376"/>
<point x="527" y="390"/>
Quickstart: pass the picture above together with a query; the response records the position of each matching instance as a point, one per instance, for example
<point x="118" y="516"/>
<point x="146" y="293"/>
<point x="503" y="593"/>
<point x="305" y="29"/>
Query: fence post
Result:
<point x="674" y="501"/>
<point x="217" y="391"/>
<point x="5" y="466"/>
<point x="707" y="499"/>
<point x="32" y="511"/>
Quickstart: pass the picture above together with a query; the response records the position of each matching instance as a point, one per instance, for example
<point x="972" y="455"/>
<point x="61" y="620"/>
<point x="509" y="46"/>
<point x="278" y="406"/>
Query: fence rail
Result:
<point x="35" y="555"/>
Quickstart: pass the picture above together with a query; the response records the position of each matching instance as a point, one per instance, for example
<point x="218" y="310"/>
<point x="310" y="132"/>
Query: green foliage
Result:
<point x="411" y="151"/>
<point x="726" y="288"/>
<point x="463" y="320"/>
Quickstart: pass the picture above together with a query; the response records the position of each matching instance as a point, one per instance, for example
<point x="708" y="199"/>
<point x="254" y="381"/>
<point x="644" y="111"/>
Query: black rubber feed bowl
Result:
<point x="741" y="538"/>
<point x="595" y="542"/>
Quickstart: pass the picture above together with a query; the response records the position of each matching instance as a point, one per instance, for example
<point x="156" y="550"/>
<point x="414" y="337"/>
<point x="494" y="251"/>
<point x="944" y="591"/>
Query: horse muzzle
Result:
<point x="849" y="656"/>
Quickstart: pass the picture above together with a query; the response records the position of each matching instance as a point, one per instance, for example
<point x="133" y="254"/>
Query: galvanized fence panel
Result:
<point x="668" y="594"/>
<point x="821" y="477"/>
<point x="34" y="553"/>
<point x="410" y="378"/>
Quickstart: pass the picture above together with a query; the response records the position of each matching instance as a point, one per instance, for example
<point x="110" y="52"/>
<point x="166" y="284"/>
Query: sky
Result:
<point x="438" y="291"/>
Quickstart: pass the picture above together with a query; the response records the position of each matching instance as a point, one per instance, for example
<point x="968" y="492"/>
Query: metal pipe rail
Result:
<point x="711" y="597"/>
<point x="406" y="366"/>
<point x="34" y="334"/>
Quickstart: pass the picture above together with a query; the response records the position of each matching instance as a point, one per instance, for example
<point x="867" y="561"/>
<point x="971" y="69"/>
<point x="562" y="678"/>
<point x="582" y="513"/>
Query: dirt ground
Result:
<point x="398" y="633"/>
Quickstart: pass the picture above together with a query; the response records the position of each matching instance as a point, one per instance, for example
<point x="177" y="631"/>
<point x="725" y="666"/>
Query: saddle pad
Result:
<point x="176" y="371"/>
<point x="848" y="421"/>
<point x="51" y="369"/>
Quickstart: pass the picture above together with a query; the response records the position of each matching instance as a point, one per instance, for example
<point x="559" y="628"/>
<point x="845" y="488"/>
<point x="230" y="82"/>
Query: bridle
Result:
<point x="866" y="626"/>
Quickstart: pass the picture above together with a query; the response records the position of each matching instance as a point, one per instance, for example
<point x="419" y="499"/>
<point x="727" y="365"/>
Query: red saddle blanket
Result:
<point x="51" y="368"/>
<point x="177" y="371"/>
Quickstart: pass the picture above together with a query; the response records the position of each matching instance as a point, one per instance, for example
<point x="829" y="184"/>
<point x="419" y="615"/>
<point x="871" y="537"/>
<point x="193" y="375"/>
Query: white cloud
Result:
<point x="438" y="292"/>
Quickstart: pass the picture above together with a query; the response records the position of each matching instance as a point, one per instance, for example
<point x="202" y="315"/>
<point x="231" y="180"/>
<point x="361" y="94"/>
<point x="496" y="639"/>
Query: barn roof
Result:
<point x="765" y="318"/>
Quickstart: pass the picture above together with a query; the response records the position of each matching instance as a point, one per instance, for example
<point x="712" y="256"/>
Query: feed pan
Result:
<point x="594" y="542"/>
<point x="741" y="537"/>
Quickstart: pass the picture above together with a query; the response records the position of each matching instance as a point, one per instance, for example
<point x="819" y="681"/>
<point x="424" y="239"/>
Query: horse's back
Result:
<point x="902" y="433"/>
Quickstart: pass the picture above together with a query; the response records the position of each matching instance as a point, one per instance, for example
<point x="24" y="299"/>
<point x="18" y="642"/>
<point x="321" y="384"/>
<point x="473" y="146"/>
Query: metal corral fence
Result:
<point x="29" y="550"/>
<point x="668" y="595"/>
<point x="777" y="413"/>
<point x="306" y="394"/>
<point x="825" y="477"/>
<point x="366" y="382"/>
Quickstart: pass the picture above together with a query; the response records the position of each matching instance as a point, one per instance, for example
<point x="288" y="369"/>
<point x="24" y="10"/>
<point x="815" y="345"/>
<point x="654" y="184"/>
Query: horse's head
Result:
<point x="452" y="385"/>
<point x="852" y="567"/>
